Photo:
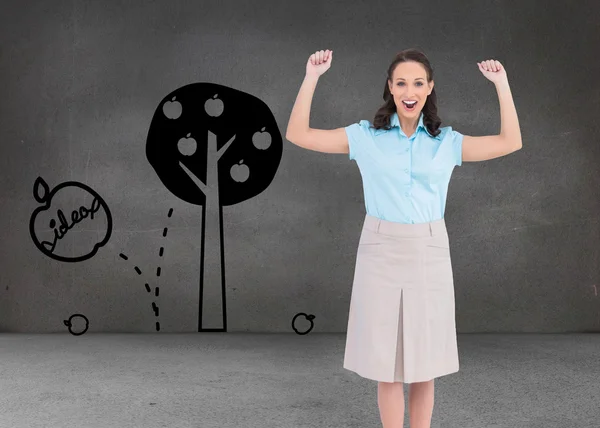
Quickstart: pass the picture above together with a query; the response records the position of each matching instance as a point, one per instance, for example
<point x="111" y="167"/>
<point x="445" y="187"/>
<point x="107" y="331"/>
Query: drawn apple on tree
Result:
<point x="261" y="139"/>
<point x="172" y="109"/>
<point x="187" y="146"/>
<point x="214" y="106"/>
<point x="240" y="172"/>
<point x="223" y="149"/>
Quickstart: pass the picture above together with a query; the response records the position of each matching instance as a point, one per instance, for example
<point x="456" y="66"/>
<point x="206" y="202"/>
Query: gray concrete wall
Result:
<point x="83" y="88"/>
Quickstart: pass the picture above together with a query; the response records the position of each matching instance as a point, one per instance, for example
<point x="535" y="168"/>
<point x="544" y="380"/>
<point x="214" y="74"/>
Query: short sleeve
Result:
<point x="357" y="134"/>
<point x="456" y="139"/>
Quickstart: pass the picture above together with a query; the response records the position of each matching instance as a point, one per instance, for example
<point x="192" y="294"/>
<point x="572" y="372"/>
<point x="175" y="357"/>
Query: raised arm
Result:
<point x="299" y="131"/>
<point x="509" y="140"/>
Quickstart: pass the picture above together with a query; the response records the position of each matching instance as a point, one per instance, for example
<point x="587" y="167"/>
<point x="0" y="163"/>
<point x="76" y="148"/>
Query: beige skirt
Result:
<point x="401" y="325"/>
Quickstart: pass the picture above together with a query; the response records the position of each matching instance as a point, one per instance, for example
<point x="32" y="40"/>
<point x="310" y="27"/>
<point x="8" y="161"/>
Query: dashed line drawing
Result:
<point x="154" y="305"/>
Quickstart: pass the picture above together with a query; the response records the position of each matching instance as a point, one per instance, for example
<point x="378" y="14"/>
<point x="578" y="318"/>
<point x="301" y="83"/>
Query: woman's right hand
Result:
<point x="318" y="63"/>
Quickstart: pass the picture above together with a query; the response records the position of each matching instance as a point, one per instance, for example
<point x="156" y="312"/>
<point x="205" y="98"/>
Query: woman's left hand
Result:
<point x="493" y="71"/>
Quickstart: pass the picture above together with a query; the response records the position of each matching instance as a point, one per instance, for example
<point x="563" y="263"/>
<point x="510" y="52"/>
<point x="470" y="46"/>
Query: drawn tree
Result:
<point x="213" y="146"/>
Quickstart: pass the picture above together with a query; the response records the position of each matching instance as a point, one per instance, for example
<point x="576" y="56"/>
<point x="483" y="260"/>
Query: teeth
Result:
<point x="409" y="102"/>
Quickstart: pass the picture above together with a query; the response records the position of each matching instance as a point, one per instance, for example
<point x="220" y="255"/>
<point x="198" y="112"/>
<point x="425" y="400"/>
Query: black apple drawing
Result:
<point x="309" y="318"/>
<point x="69" y="324"/>
<point x="70" y="205"/>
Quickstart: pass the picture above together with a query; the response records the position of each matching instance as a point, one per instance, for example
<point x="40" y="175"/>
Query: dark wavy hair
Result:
<point x="430" y="118"/>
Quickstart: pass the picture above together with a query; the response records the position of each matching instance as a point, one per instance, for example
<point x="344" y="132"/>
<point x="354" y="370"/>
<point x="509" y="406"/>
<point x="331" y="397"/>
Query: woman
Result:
<point x="401" y="326"/>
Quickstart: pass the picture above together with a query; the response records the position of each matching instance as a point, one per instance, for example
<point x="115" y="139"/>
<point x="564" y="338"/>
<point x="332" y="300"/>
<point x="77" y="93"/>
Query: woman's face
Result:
<point x="409" y="83"/>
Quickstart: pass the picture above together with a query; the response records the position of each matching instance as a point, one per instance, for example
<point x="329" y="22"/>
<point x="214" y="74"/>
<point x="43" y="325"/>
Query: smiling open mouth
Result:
<point x="409" y="106"/>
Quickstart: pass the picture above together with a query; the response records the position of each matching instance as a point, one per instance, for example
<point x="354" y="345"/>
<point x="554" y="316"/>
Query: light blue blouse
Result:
<point x="404" y="179"/>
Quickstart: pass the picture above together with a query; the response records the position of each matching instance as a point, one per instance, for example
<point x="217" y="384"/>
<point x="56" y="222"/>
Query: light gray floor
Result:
<point x="239" y="380"/>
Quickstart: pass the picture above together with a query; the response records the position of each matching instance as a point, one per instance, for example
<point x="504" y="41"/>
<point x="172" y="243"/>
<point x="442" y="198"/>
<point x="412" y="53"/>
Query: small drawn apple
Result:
<point x="308" y="318"/>
<point x="187" y="146"/>
<point x="240" y="172"/>
<point x="262" y="139"/>
<point x="172" y="109"/>
<point x="214" y="106"/>
<point x="69" y="324"/>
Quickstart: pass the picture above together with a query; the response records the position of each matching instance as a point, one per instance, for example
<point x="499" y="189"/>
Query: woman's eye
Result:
<point x="418" y="84"/>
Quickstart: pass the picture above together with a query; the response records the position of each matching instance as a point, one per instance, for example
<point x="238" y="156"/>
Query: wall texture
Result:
<point x="93" y="91"/>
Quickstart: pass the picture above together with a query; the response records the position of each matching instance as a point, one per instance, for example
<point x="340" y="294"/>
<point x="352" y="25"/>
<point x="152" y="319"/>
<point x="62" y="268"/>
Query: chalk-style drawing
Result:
<point x="69" y="324"/>
<point x="161" y="252"/>
<point x="308" y="318"/>
<point x="213" y="146"/>
<point x="64" y="208"/>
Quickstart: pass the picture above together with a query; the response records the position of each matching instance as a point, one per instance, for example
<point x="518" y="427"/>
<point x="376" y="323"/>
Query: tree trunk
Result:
<point x="212" y="285"/>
